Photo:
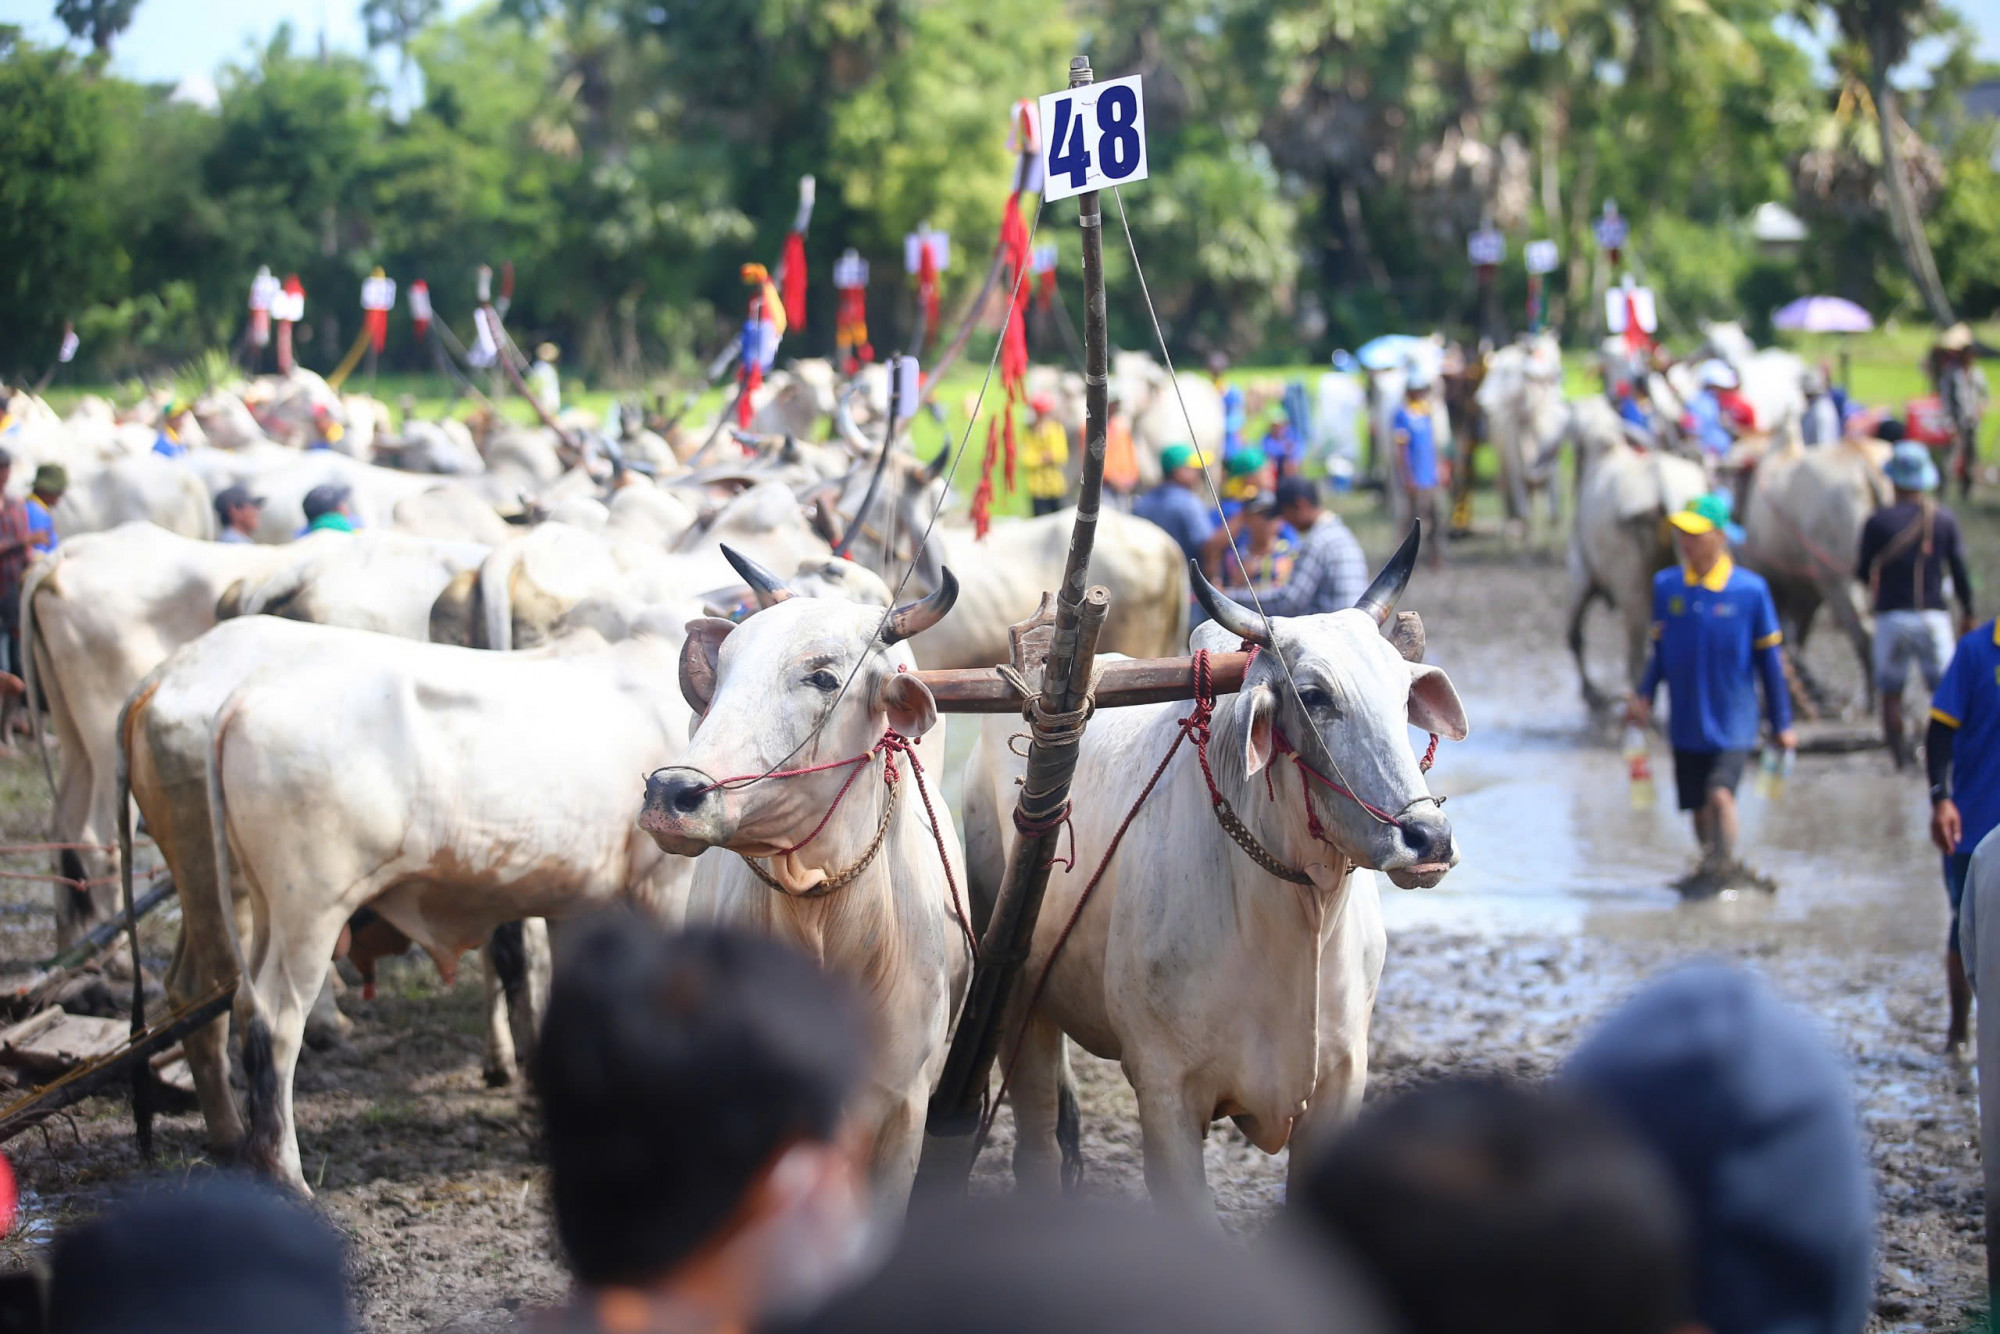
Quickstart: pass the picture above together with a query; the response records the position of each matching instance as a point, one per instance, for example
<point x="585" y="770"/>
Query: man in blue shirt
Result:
<point x="1715" y="632"/>
<point x="1177" y="503"/>
<point x="51" y="480"/>
<point x="1962" y="755"/>
<point x="1414" y="432"/>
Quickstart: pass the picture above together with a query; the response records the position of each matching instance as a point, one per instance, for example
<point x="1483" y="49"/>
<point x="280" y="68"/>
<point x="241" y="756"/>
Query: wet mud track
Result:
<point x="1559" y="911"/>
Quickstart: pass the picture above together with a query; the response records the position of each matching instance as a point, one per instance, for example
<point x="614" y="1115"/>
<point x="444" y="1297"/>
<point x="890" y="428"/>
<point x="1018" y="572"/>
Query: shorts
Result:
<point x="1956" y="868"/>
<point x="1902" y="635"/>
<point x="1700" y="772"/>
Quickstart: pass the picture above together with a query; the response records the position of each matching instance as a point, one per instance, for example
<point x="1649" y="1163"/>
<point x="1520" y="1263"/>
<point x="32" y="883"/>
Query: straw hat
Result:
<point x="1957" y="338"/>
<point x="548" y="352"/>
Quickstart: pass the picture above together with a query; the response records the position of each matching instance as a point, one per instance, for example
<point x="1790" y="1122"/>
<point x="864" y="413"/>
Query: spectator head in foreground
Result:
<point x="1754" y="1118"/>
<point x="236" y="510"/>
<point x="223" y="1253"/>
<point x="695" y="1095"/>
<point x="1481" y="1204"/>
<point x="1012" y="1264"/>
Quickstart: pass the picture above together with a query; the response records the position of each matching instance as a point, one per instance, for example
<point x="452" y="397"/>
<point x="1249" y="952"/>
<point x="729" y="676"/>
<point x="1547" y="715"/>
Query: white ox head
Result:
<point x="758" y="690"/>
<point x="1357" y="693"/>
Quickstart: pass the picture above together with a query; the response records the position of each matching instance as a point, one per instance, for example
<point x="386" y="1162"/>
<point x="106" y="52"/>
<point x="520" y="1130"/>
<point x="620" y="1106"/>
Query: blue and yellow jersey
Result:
<point x="1968" y="701"/>
<point x="1712" y="638"/>
<point x="41" y="526"/>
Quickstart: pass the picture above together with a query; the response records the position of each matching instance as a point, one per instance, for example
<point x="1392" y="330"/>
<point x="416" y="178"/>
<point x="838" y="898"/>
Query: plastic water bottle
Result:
<point x="1639" y="768"/>
<point x="1772" y="771"/>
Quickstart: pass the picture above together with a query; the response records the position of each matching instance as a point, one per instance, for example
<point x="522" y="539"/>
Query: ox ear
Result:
<point x="1406" y="633"/>
<point x="1260" y="704"/>
<point x="908" y="702"/>
<point x="1434" y="705"/>
<point x="698" y="660"/>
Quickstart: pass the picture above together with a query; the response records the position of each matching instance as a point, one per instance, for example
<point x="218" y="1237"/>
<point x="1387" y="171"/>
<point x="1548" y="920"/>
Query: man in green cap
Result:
<point x="49" y="484"/>
<point x="1715" y="634"/>
<point x="1177" y="503"/>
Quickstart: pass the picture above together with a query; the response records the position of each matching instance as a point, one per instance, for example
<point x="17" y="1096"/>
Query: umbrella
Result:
<point x="1823" y="314"/>
<point x="1390" y="351"/>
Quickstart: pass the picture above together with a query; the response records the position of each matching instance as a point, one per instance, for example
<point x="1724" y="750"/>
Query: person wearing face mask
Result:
<point x="705" y="1174"/>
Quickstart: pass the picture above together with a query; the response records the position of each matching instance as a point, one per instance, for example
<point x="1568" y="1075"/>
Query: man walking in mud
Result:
<point x="1715" y="634"/>
<point x="1907" y="549"/>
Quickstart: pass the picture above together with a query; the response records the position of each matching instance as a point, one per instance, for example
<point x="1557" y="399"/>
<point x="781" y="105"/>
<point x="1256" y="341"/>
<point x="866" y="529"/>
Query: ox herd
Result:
<point x="1802" y="508"/>
<point x="541" y="678"/>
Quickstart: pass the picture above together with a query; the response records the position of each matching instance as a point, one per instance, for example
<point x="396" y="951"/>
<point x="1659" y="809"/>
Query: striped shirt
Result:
<point x="1329" y="574"/>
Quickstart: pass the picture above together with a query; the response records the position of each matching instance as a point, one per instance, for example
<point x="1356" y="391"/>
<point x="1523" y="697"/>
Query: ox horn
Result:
<point x="1232" y="616"/>
<point x="913" y="618"/>
<point x="1380" y="599"/>
<point x="769" y="588"/>
<point x="940" y="463"/>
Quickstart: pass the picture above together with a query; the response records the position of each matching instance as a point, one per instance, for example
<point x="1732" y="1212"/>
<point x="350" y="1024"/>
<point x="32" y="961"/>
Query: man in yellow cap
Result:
<point x="1715" y="634"/>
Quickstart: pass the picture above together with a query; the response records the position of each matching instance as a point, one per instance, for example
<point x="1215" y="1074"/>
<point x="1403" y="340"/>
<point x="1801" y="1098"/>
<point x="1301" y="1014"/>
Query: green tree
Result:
<point x="96" y="21"/>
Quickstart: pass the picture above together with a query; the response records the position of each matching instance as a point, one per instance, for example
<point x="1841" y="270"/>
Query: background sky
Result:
<point x="173" y="39"/>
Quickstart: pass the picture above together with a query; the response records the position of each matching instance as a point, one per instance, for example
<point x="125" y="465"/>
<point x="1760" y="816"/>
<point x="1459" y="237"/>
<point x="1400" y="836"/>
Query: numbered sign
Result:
<point x="1486" y="247"/>
<point x="850" y="270"/>
<point x="1093" y="137"/>
<point x="1043" y="260"/>
<point x="913" y="249"/>
<point x="1542" y="256"/>
<point x="378" y="293"/>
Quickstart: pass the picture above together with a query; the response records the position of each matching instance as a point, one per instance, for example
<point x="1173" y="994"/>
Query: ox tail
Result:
<point x="1069" y="1123"/>
<point x="41" y="572"/>
<point x="496" y="597"/>
<point x="260" y="1071"/>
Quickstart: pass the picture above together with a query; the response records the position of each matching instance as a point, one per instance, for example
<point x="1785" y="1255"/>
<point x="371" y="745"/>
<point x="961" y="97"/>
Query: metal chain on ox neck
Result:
<point x="844" y="878"/>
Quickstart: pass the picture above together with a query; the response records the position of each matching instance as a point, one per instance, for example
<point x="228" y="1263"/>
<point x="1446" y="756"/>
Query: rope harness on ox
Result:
<point x="892" y="744"/>
<point x="1196" y="727"/>
<point x="76" y="884"/>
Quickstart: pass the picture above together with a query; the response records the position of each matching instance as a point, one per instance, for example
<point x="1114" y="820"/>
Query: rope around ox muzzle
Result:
<point x="892" y="744"/>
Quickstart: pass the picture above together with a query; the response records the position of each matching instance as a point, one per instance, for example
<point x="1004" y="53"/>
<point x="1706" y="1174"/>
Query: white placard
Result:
<point x="1486" y="247"/>
<point x="850" y="270"/>
<point x="1093" y="137"/>
<point x="1043" y="260"/>
<point x="263" y="290"/>
<point x="378" y="293"/>
<point x="1542" y="256"/>
<point x="913" y="249"/>
<point x="420" y="300"/>
<point x="906" y="388"/>
<point x="288" y="306"/>
<point x="70" y="343"/>
<point x="1641" y="304"/>
<point x="1611" y="229"/>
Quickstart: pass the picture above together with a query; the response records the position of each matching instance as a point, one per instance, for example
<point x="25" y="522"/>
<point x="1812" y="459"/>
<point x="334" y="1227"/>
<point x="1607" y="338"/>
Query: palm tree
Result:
<point x="1885" y="29"/>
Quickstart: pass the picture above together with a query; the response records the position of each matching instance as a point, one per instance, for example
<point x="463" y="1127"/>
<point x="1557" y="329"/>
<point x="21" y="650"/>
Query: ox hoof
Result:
<point x="497" y="1078"/>
<point x="328" y="1034"/>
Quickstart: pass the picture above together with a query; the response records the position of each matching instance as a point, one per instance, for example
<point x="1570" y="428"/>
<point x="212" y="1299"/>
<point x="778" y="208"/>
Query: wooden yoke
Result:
<point x="1120" y="683"/>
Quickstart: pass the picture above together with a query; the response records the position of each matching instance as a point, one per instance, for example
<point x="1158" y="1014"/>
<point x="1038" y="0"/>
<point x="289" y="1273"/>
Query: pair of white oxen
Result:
<point x="294" y="773"/>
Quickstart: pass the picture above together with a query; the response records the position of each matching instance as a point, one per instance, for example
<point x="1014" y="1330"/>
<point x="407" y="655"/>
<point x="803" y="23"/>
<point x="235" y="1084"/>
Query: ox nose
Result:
<point x="682" y="792"/>
<point x="1428" y="837"/>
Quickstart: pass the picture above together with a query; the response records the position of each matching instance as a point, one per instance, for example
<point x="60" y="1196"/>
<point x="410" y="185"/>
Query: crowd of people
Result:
<point x="1695" y="1163"/>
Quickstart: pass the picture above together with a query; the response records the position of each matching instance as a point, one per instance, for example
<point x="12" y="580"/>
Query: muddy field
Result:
<point x="1559" y="910"/>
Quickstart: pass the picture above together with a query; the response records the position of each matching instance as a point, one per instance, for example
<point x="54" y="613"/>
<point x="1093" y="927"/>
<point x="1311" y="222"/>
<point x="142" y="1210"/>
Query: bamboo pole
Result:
<point x="1052" y="751"/>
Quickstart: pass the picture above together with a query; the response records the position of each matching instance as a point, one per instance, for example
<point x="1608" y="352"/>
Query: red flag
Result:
<point x="792" y="274"/>
<point x="927" y="289"/>
<point x="1000" y="440"/>
<point x="377" y="324"/>
<point x="1635" y="333"/>
<point x="420" y="307"/>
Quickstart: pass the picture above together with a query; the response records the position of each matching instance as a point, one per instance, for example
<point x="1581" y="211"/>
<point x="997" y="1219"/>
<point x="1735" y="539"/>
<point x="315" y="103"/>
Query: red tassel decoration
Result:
<point x="753" y="380"/>
<point x="1000" y="438"/>
<point x="792" y="278"/>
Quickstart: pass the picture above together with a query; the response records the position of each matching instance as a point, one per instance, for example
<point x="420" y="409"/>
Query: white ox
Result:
<point x="1619" y="540"/>
<point x="1773" y="381"/>
<point x="144" y="488"/>
<point x="866" y="895"/>
<point x="429" y="823"/>
<point x="1526" y="416"/>
<point x="1222" y="989"/>
<point x="1802" y="532"/>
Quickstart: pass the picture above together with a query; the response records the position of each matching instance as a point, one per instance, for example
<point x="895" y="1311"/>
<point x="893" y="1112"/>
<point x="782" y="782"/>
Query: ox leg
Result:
<point x="1173" y="1122"/>
<point x="1034" y="1094"/>
<point x="899" y="1143"/>
<point x="290" y="976"/>
<point x="1581" y="594"/>
<point x="499" y="960"/>
<point x="207" y="1052"/>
